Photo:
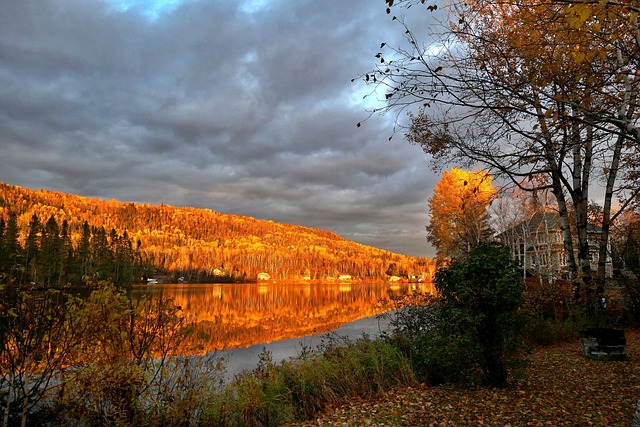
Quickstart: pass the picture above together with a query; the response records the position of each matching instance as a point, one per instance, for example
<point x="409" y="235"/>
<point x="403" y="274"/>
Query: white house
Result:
<point x="538" y="247"/>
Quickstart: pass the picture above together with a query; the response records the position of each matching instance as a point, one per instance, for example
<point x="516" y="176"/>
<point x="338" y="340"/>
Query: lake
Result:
<point x="233" y="316"/>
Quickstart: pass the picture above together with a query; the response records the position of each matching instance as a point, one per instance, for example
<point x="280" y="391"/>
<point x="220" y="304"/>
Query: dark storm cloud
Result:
<point x="241" y="107"/>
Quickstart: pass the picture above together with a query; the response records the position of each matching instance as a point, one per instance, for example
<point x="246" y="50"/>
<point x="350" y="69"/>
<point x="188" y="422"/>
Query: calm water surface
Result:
<point x="234" y="316"/>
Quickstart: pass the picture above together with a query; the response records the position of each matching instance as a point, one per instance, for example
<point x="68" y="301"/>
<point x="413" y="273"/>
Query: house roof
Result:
<point x="542" y="221"/>
<point x="549" y="220"/>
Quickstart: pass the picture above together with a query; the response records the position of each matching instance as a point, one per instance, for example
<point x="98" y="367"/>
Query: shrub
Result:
<point x="298" y="389"/>
<point x="472" y="329"/>
<point x="540" y="331"/>
<point x="39" y="333"/>
<point x="122" y="362"/>
<point x="548" y="298"/>
<point x="442" y="358"/>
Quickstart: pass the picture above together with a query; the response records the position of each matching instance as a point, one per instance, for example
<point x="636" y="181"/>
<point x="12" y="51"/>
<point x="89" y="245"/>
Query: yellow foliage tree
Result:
<point x="526" y="89"/>
<point x="458" y="211"/>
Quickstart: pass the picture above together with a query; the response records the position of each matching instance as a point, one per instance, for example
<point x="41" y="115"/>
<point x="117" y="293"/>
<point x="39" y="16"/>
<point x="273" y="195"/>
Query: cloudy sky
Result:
<point x="240" y="106"/>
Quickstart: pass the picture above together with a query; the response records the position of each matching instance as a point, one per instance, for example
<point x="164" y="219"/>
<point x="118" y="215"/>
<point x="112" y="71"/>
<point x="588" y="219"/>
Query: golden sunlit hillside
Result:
<point x="201" y="245"/>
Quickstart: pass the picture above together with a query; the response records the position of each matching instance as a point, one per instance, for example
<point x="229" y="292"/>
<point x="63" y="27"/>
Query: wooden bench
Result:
<point x="604" y="344"/>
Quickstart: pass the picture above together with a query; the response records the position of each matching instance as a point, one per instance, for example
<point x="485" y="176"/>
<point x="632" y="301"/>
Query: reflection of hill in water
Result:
<point x="240" y="315"/>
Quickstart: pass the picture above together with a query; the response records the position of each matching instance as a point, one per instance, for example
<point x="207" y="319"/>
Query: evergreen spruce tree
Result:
<point x="124" y="260"/>
<point x="81" y="261"/>
<point x="50" y="253"/>
<point x="479" y="301"/>
<point x="10" y="260"/>
<point x="32" y="249"/>
<point x="66" y="255"/>
<point x="101" y="255"/>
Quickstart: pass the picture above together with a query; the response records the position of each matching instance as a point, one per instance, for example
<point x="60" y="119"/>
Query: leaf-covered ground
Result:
<point x="561" y="388"/>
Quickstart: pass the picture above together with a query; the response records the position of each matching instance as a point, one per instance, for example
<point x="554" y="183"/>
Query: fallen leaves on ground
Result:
<point x="561" y="388"/>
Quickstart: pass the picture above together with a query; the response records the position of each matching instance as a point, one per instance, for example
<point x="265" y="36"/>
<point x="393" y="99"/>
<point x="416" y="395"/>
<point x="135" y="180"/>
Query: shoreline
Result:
<point x="239" y="360"/>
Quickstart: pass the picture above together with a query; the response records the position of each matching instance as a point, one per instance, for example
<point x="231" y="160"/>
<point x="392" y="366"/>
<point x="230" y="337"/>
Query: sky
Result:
<point x="240" y="106"/>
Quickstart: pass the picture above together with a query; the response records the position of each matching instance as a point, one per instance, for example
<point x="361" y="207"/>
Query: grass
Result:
<point x="301" y="388"/>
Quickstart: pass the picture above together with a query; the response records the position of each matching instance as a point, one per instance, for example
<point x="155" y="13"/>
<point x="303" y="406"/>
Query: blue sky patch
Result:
<point x="150" y="9"/>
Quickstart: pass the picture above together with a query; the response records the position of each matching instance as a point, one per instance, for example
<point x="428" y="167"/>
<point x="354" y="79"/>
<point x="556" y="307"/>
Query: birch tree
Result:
<point x="541" y="88"/>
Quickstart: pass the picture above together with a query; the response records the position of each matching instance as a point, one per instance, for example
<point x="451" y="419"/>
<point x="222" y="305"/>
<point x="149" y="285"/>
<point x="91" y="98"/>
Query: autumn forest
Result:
<point x="56" y="239"/>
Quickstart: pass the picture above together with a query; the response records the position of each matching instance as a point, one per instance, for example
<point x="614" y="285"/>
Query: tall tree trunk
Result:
<point x="25" y="405"/>
<point x="558" y="182"/>
<point x="567" y="238"/>
<point x="606" y="213"/>
<point x="582" y="153"/>
<point x="7" y="409"/>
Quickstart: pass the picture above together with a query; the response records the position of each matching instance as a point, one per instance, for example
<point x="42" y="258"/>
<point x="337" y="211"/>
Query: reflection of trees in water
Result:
<point x="233" y="315"/>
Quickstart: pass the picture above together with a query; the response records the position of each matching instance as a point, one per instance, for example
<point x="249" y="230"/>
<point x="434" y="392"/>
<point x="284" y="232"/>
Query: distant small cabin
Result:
<point x="344" y="278"/>
<point x="394" y="279"/>
<point x="264" y="276"/>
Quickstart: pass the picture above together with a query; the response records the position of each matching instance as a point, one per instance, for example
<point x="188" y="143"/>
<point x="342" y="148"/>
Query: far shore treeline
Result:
<point x="55" y="239"/>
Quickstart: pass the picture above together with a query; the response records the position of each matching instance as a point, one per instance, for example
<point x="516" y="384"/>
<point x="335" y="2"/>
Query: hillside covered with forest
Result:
<point x="59" y="238"/>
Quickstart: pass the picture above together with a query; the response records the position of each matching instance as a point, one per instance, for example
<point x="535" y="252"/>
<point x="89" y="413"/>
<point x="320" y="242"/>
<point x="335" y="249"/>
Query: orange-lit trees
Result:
<point x="458" y="211"/>
<point x="179" y="242"/>
<point x="536" y="88"/>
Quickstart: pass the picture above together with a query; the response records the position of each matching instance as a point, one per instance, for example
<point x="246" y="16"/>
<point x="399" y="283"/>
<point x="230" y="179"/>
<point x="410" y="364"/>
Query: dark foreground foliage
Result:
<point x="125" y="374"/>
<point x="470" y="332"/>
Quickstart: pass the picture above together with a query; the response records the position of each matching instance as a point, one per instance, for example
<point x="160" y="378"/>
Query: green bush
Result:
<point x="472" y="330"/>
<point x="442" y="358"/>
<point x="479" y="301"/>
